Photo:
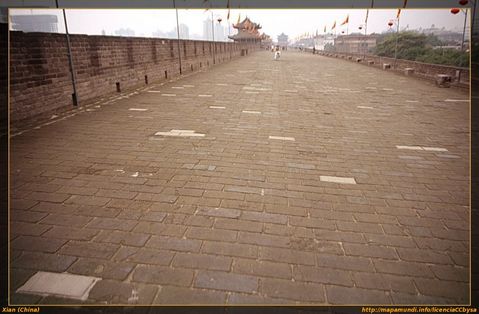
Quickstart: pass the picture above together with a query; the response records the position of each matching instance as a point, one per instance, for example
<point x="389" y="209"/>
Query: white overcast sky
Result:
<point x="274" y="21"/>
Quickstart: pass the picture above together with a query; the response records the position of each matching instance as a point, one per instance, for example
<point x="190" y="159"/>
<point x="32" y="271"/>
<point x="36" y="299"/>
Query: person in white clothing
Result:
<point x="277" y="53"/>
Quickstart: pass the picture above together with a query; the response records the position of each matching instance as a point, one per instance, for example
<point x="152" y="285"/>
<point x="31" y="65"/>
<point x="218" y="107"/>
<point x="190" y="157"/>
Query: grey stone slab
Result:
<point x="62" y="285"/>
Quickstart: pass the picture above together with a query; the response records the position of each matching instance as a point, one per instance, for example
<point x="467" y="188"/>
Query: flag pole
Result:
<point x="396" y="45"/>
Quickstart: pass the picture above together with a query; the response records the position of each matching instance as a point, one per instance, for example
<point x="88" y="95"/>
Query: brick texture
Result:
<point x="40" y="77"/>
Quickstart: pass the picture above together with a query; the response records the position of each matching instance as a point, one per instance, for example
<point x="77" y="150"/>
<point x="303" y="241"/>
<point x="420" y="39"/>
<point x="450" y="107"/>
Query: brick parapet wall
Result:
<point x="422" y="70"/>
<point x="40" y="81"/>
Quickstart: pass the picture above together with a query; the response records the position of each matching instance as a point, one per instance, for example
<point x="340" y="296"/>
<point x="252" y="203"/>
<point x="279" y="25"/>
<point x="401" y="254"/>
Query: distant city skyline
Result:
<point x="152" y="23"/>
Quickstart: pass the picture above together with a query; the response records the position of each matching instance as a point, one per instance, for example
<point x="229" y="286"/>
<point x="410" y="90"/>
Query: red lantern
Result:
<point x="219" y="20"/>
<point x="360" y="27"/>
<point x="463" y="2"/>
<point x="390" y="23"/>
<point x="342" y="32"/>
<point x="455" y="10"/>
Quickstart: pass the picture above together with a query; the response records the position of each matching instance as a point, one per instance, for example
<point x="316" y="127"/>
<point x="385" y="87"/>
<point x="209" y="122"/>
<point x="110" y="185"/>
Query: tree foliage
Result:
<point x="419" y="47"/>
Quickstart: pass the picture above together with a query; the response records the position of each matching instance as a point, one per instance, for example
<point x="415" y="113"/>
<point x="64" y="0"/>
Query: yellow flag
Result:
<point x="399" y="13"/>
<point x="334" y="25"/>
<point x="346" y="20"/>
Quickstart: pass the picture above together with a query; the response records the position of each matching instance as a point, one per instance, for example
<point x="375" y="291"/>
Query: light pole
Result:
<point x="396" y="44"/>
<point x="178" y="35"/>
<point x="464" y="29"/>
<point x="213" y="35"/>
<point x="70" y="59"/>
<point x="455" y="11"/>
<point x="219" y="23"/>
<point x="391" y="23"/>
<point x="365" y="26"/>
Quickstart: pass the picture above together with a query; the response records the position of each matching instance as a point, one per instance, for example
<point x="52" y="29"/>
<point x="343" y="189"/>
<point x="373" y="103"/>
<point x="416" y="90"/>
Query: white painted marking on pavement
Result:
<point x="181" y="133"/>
<point x="456" y="100"/>
<point x="252" y="112"/>
<point x="435" y="149"/>
<point x="365" y="107"/>
<point x="138" y="109"/>
<point x="342" y="180"/>
<point x="168" y="95"/>
<point x="409" y="147"/>
<point x="217" y="107"/>
<point x="282" y="138"/>
<point x="205" y="95"/>
<point x="432" y="149"/>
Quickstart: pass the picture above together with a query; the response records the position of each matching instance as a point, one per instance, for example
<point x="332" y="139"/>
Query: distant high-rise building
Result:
<point x="220" y="31"/>
<point x="184" y="31"/>
<point x="207" y="33"/>
<point x="45" y="23"/>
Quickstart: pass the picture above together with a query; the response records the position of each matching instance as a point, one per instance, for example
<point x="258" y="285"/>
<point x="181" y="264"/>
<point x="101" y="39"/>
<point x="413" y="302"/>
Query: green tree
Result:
<point x="419" y="47"/>
<point x="446" y="57"/>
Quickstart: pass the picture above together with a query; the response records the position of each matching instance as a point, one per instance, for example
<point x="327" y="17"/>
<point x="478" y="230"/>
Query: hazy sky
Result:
<point x="274" y="21"/>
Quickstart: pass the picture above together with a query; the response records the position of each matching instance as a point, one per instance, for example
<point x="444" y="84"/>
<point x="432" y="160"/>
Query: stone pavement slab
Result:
<point x="292" y="193"/>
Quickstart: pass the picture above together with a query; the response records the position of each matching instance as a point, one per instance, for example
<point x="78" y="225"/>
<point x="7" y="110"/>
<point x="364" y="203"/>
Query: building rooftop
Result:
<point x="247" y="24"/>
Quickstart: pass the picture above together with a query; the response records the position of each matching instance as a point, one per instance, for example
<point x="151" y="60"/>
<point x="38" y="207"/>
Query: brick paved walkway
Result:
<point x="241" y="208"/>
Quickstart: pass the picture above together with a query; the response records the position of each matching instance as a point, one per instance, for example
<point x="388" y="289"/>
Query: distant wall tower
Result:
<point x="283" y="40"/>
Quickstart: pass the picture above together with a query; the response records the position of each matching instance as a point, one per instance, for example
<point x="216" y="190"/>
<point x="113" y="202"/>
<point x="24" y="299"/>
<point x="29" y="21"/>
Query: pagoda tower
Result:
<point x="248" y="32"/>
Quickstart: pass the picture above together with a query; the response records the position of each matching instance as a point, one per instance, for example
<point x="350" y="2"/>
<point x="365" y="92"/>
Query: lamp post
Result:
<point x="213" y="35"/>
<point x="178" y="35"/>
<point x="70" y="58"/>
<point x="219" y="23"/>
<point x="365" y="26"/>
<point x="455" y="11"/>
<point x="390" y="24"/>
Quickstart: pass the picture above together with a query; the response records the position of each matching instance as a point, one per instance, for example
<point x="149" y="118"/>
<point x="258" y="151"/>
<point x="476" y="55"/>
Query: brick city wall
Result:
<point x="422" y="70"/>
<point x="40" y="81"/>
